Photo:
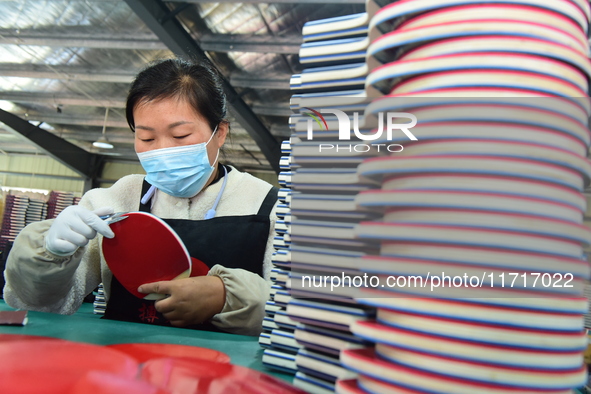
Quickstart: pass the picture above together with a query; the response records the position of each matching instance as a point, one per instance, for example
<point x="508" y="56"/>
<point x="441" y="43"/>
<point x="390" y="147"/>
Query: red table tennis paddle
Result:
<point x="100" y="382"/>
<point x="54" y="366"/>
<point x="193" y="376"/>
<point x="146" y="249"/>
<point x="143" y="352"/>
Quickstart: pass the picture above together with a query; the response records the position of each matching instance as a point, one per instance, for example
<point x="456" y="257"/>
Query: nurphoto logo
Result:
<point x="391" y="120"/>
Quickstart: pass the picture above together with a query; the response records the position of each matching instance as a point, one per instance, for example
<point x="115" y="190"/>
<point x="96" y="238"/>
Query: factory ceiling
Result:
<point x="66" y="66"/>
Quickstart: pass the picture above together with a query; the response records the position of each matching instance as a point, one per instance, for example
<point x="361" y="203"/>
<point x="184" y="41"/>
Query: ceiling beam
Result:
<point x="116" y="137"/>
<point x="261" y="81"/>
<point x="74" y="73"/>
<point x="155" y="14"/>
<point x="87" y="120"/>
<point x="271" y="109"/>
<point x="209" y="42"/>
<point x="19" y="147"/>
<point x="78" y="39"/>
<point x="251" y="43"/>
<point x="59" y="98"/>
<point x="77" y="159"/>
<point x="281" y="130"/>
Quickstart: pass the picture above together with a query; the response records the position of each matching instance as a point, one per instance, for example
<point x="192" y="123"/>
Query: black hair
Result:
<point x="197" y="83"/>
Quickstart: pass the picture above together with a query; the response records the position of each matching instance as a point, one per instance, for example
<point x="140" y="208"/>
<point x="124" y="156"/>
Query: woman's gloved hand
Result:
<point x="74" y="227"/>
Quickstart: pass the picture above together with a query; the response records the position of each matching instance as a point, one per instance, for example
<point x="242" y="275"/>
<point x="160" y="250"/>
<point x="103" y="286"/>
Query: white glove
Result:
<point x="74" y="227"/>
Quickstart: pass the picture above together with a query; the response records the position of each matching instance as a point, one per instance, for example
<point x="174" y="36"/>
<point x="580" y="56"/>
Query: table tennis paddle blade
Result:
<point x="194" y="376"/>
<point x="53" y="366"/>
<point x="198" y="267"/>
<point x="143" y="352"/>
<point x="145" y="249"/>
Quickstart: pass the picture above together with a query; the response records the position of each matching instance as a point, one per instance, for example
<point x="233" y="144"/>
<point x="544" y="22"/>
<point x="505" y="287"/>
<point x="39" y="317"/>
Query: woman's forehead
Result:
<point x="170" y="105"/>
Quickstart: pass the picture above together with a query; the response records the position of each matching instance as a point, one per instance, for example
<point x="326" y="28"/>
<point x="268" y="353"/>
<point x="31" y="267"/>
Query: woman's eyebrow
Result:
<point x="170" y="126"/>
<point x="139" y="126"/>
<point x="179" y="123"/>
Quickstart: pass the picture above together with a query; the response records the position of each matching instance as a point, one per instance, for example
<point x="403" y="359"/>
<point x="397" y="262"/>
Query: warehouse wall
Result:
<point x="38" y="172"/>
<point x="115" y="170"/>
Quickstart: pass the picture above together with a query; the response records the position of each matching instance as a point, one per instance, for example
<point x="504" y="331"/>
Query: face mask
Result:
<point x="180" y="171"/>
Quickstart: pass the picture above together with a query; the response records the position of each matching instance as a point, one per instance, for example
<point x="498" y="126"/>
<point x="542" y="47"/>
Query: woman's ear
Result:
<point x="221" y="133"/>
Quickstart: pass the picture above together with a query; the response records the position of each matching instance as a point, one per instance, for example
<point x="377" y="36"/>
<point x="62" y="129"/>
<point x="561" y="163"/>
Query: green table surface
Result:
<point x="85" y="326"/>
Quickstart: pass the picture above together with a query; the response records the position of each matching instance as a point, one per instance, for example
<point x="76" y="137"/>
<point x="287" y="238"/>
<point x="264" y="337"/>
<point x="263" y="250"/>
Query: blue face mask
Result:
<point x="180" y="171"/>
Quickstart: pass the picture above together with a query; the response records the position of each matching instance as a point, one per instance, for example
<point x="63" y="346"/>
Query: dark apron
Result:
<point x="240" y="243"/>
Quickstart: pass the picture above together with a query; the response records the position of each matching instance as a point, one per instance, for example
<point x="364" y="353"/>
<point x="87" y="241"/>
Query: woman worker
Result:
<point x="225" y="217"/>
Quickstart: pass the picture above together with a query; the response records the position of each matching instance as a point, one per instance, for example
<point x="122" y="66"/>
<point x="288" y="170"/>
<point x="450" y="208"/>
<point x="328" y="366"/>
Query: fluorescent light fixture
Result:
<point x="103" y="142"/>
